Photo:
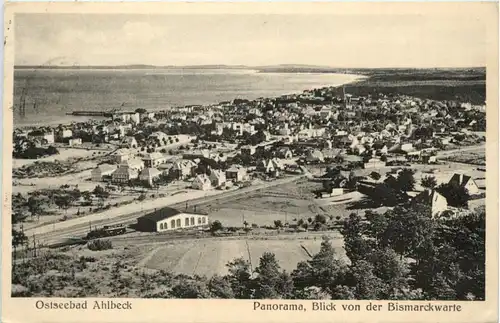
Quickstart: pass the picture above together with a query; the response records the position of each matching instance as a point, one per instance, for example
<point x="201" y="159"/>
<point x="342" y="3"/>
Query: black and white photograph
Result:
<point x="256" y="156"/>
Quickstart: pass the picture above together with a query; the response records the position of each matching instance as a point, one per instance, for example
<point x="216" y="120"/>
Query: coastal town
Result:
<point x="288" y="169"/>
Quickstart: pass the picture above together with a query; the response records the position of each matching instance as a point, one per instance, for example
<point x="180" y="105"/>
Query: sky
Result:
<point x="353" y="41"/>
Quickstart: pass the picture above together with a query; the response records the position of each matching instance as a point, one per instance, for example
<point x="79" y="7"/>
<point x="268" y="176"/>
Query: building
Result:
<point x="314" y="156"/>
<point x="136" y="164"/>
<point x="436" y="201"/>
<point x="159" y="138"/>
<point x="124" y="174"/>
<point x="217" y="178"/>
<point x="75" y="141"/>
<point x="247" y="150"/>
<point x="62" y="134"/>
<point x="99" y="173"/>
<point x="169" y="219"/>
<point x="149" y="174"/>
<point x="236" y="174"/>
<point x="122" y="155"/>
<point x="45" y="137"/>
<point x="407" y="147"/>
<point x="374" y="163"/>
<point x="265" y="166"/>
<point x="183" y="169"/>
<point x="466" y="182"/>
<point x="128" y="142"/>
<point x="135" y="118"/>
<point x="284" y="152"/>
<point x="154" y="159"/>
<point x="194" y="154"/>
<point x="201" y="182"/>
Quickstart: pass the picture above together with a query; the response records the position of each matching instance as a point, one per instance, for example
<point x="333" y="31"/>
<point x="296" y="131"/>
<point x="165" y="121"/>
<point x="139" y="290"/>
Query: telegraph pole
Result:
<point x="34" y="246"/>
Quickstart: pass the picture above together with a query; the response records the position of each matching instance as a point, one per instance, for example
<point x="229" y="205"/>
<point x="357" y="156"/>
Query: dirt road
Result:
<point x="128" y="214"/>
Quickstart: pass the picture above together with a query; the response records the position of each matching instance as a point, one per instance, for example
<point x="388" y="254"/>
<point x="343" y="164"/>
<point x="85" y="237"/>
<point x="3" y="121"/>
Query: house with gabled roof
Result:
<point x="465" y="181"/>
<point x="154" y="159"/>
<point x="436" y="201"/>
<point x="183" y="169"/>
<point x="128" y="142"/>
<point x="99" y="173"/>
<point x="236" y="173"/>
<point x="217" y="178"/>
<point x="201" y="182"/>
<point x="149" y="174"/>
<point x="124" y="174"/>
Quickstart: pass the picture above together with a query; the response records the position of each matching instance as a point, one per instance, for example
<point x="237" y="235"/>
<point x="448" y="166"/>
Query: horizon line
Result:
<point x="289" y="65"/>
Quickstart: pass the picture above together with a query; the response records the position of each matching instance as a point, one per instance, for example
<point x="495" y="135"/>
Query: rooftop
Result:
<point x="164" y="213"/>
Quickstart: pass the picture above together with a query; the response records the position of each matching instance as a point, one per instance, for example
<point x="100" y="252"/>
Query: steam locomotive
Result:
<point x="106" y="231"/>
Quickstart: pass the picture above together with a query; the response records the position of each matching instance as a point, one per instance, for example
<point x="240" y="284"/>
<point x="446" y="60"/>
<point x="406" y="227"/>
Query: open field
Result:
<point x="287" y="202"/>
<point x="64" y="154"/>
<point x="473" y="158"/>
<point x="209" y="257"/>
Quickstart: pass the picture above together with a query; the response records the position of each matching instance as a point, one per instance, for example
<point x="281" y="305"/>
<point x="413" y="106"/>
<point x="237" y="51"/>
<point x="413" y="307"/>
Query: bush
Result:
<point x="216" y="226"/>
<point x="97" y="245"/>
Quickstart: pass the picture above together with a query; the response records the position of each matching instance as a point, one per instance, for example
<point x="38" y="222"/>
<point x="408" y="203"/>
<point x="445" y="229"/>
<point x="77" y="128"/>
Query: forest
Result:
<point x="402" y="254"/>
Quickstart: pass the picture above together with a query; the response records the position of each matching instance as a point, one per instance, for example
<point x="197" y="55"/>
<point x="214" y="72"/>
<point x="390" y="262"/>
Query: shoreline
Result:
<point x="355" y="78"/>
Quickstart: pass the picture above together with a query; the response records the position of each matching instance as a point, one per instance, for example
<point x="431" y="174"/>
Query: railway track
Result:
<point x="81" y="229"/>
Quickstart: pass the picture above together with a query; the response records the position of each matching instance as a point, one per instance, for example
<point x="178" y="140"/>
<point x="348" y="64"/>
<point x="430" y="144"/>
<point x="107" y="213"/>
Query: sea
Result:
<point x="52" y="93"/>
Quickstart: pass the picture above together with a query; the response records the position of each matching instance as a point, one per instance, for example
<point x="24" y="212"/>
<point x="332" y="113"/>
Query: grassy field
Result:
<point x="473" y="158"/>
<point x="288" y="203"/>
<point x="209" y="257"/>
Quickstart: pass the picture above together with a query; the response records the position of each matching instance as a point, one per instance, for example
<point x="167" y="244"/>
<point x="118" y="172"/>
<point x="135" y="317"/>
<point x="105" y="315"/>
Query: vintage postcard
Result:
<point x="250" y="162"/>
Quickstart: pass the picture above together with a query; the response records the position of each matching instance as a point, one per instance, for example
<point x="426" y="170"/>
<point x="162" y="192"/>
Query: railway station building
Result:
<point x="169" y="219"/>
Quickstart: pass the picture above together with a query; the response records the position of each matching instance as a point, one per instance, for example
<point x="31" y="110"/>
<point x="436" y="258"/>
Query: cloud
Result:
<point x="368" y="41"/>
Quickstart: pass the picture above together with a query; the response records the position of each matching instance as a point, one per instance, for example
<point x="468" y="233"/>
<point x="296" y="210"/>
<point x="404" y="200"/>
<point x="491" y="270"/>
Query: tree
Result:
<point x="355" y="246"/>
<point x="140" y="110"/>
<point x="408" y="229"/>
<point x="324" y="270"/>
<point x="220" y="287"/>
<point x="320" y="218"/>
<point x="18" y="217"/>
<point x="376" y="176"/>
<point x="99" y="191"/>
<point x="51" y="150"/>
<point x="428" y="182"/>
<point x="376" y="227"/>
<point x="405" y="180"/>
<point x="366" y="284"/>
<point x="63" y="201"/>
<point x="216" y="226"/>
<point x="34" y="206"/>
<point x="271" y="283"/>
<point x="391" y="269"/>
<point x="456" y="195"/>
<point x="278" y="224"/>
<point x="18" y="239"/>
<point x="190" y="289"/>
<point x="239" y="278"/>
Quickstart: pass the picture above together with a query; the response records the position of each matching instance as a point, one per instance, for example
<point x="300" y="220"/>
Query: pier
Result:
<point x="95" y="113"/>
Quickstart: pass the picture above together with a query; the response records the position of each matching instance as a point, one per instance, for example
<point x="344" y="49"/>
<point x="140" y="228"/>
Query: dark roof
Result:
<point x="459" y="179"/>
<point x="426" y="197"/>
<point x="165" y="213"/>
<point x="161" y="214"/>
